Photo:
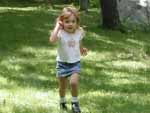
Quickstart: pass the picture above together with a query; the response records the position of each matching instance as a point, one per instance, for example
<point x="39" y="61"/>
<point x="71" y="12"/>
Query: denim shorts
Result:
<point x="66" y="69"/>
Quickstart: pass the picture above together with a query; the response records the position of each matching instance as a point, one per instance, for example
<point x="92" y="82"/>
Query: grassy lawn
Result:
<point x="114" y="77"/>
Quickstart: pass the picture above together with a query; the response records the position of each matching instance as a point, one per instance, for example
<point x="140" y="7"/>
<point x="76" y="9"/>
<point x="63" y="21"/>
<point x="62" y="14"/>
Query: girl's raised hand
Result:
<point x="59" y="25"/>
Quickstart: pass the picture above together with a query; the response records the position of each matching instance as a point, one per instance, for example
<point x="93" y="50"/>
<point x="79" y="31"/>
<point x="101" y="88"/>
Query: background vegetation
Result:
<point x="114" y="76"/>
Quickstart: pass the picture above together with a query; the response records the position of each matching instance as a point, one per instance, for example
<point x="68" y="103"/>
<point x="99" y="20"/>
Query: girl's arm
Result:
<point x="53" y="38"/>
<point x="83" y="50"/>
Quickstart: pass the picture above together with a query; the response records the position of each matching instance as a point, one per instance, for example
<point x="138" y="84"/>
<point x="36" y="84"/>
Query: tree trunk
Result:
<point x="84" y="5"/>
<point x="110" y="15"/>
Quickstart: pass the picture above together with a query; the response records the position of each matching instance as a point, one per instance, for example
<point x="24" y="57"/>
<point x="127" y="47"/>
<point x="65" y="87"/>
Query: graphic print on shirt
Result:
<point x="71" y="43"/>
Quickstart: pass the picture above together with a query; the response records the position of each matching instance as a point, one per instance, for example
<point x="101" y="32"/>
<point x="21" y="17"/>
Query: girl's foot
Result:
<point x="63" y="106"/>
<point x="76" y="108"/>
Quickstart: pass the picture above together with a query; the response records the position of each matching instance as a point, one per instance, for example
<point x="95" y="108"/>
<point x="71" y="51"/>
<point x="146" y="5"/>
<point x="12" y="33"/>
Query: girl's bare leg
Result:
<point x="74" y="84"/>
<point x="62" y="86"/>
<point x="62" y="92"/>
<point x="74" y="91"/>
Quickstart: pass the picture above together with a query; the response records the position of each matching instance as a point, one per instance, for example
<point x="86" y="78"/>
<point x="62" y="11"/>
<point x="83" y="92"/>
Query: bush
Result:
<point x="94" y="3"/>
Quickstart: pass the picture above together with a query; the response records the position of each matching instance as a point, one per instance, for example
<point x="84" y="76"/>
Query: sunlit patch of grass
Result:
<point x="38" y="52"/>
<point x="112" y="102"/>
<point x="126" y="78"/>
<point x="28" y="99"/>
<point x="135" y="42"/>
<point x="3" y="81"/>
<point x="131" y="65"/>
<point x="2" y="9"/>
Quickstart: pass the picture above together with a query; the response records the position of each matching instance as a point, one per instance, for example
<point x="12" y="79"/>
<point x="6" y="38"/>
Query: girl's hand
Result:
<point x="59" y="25"/>
<point x="83" y="51"/>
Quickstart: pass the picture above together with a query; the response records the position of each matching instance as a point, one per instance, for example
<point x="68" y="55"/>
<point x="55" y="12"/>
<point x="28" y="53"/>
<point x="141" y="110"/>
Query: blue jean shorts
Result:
<point x="66" y="69"/>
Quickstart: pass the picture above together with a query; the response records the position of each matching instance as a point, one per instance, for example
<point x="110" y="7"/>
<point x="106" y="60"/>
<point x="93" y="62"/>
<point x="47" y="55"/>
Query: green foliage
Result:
<point x="94" y="3"/>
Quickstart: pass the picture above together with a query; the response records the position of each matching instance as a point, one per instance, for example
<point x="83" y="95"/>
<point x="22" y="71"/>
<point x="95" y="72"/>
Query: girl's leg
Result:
<point x="74" y="92"/>
<point x="62" y="88"/>
<point x="74" y="84"/>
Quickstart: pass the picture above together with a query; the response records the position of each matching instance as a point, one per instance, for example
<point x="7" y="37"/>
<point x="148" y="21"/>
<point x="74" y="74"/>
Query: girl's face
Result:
<point x="70" y="24"/>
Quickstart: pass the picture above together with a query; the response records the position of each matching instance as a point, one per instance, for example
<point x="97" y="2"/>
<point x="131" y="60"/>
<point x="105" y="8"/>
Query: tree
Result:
<point x="110" y="15"/>
<point x="84" y="5"/>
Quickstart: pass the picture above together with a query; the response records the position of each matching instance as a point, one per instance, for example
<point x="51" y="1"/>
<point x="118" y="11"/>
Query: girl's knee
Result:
<point x="73" y="83"/>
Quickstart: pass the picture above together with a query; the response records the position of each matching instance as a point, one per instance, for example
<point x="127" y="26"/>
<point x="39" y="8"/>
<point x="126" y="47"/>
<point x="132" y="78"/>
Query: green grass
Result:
<point x="114" y="76"/>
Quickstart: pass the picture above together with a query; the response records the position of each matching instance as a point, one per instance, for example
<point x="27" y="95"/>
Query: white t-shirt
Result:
<point x="69" y="46"/>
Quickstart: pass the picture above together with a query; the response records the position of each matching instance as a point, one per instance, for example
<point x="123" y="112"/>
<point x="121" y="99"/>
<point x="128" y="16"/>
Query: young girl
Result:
<point x="69" y="34"/>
